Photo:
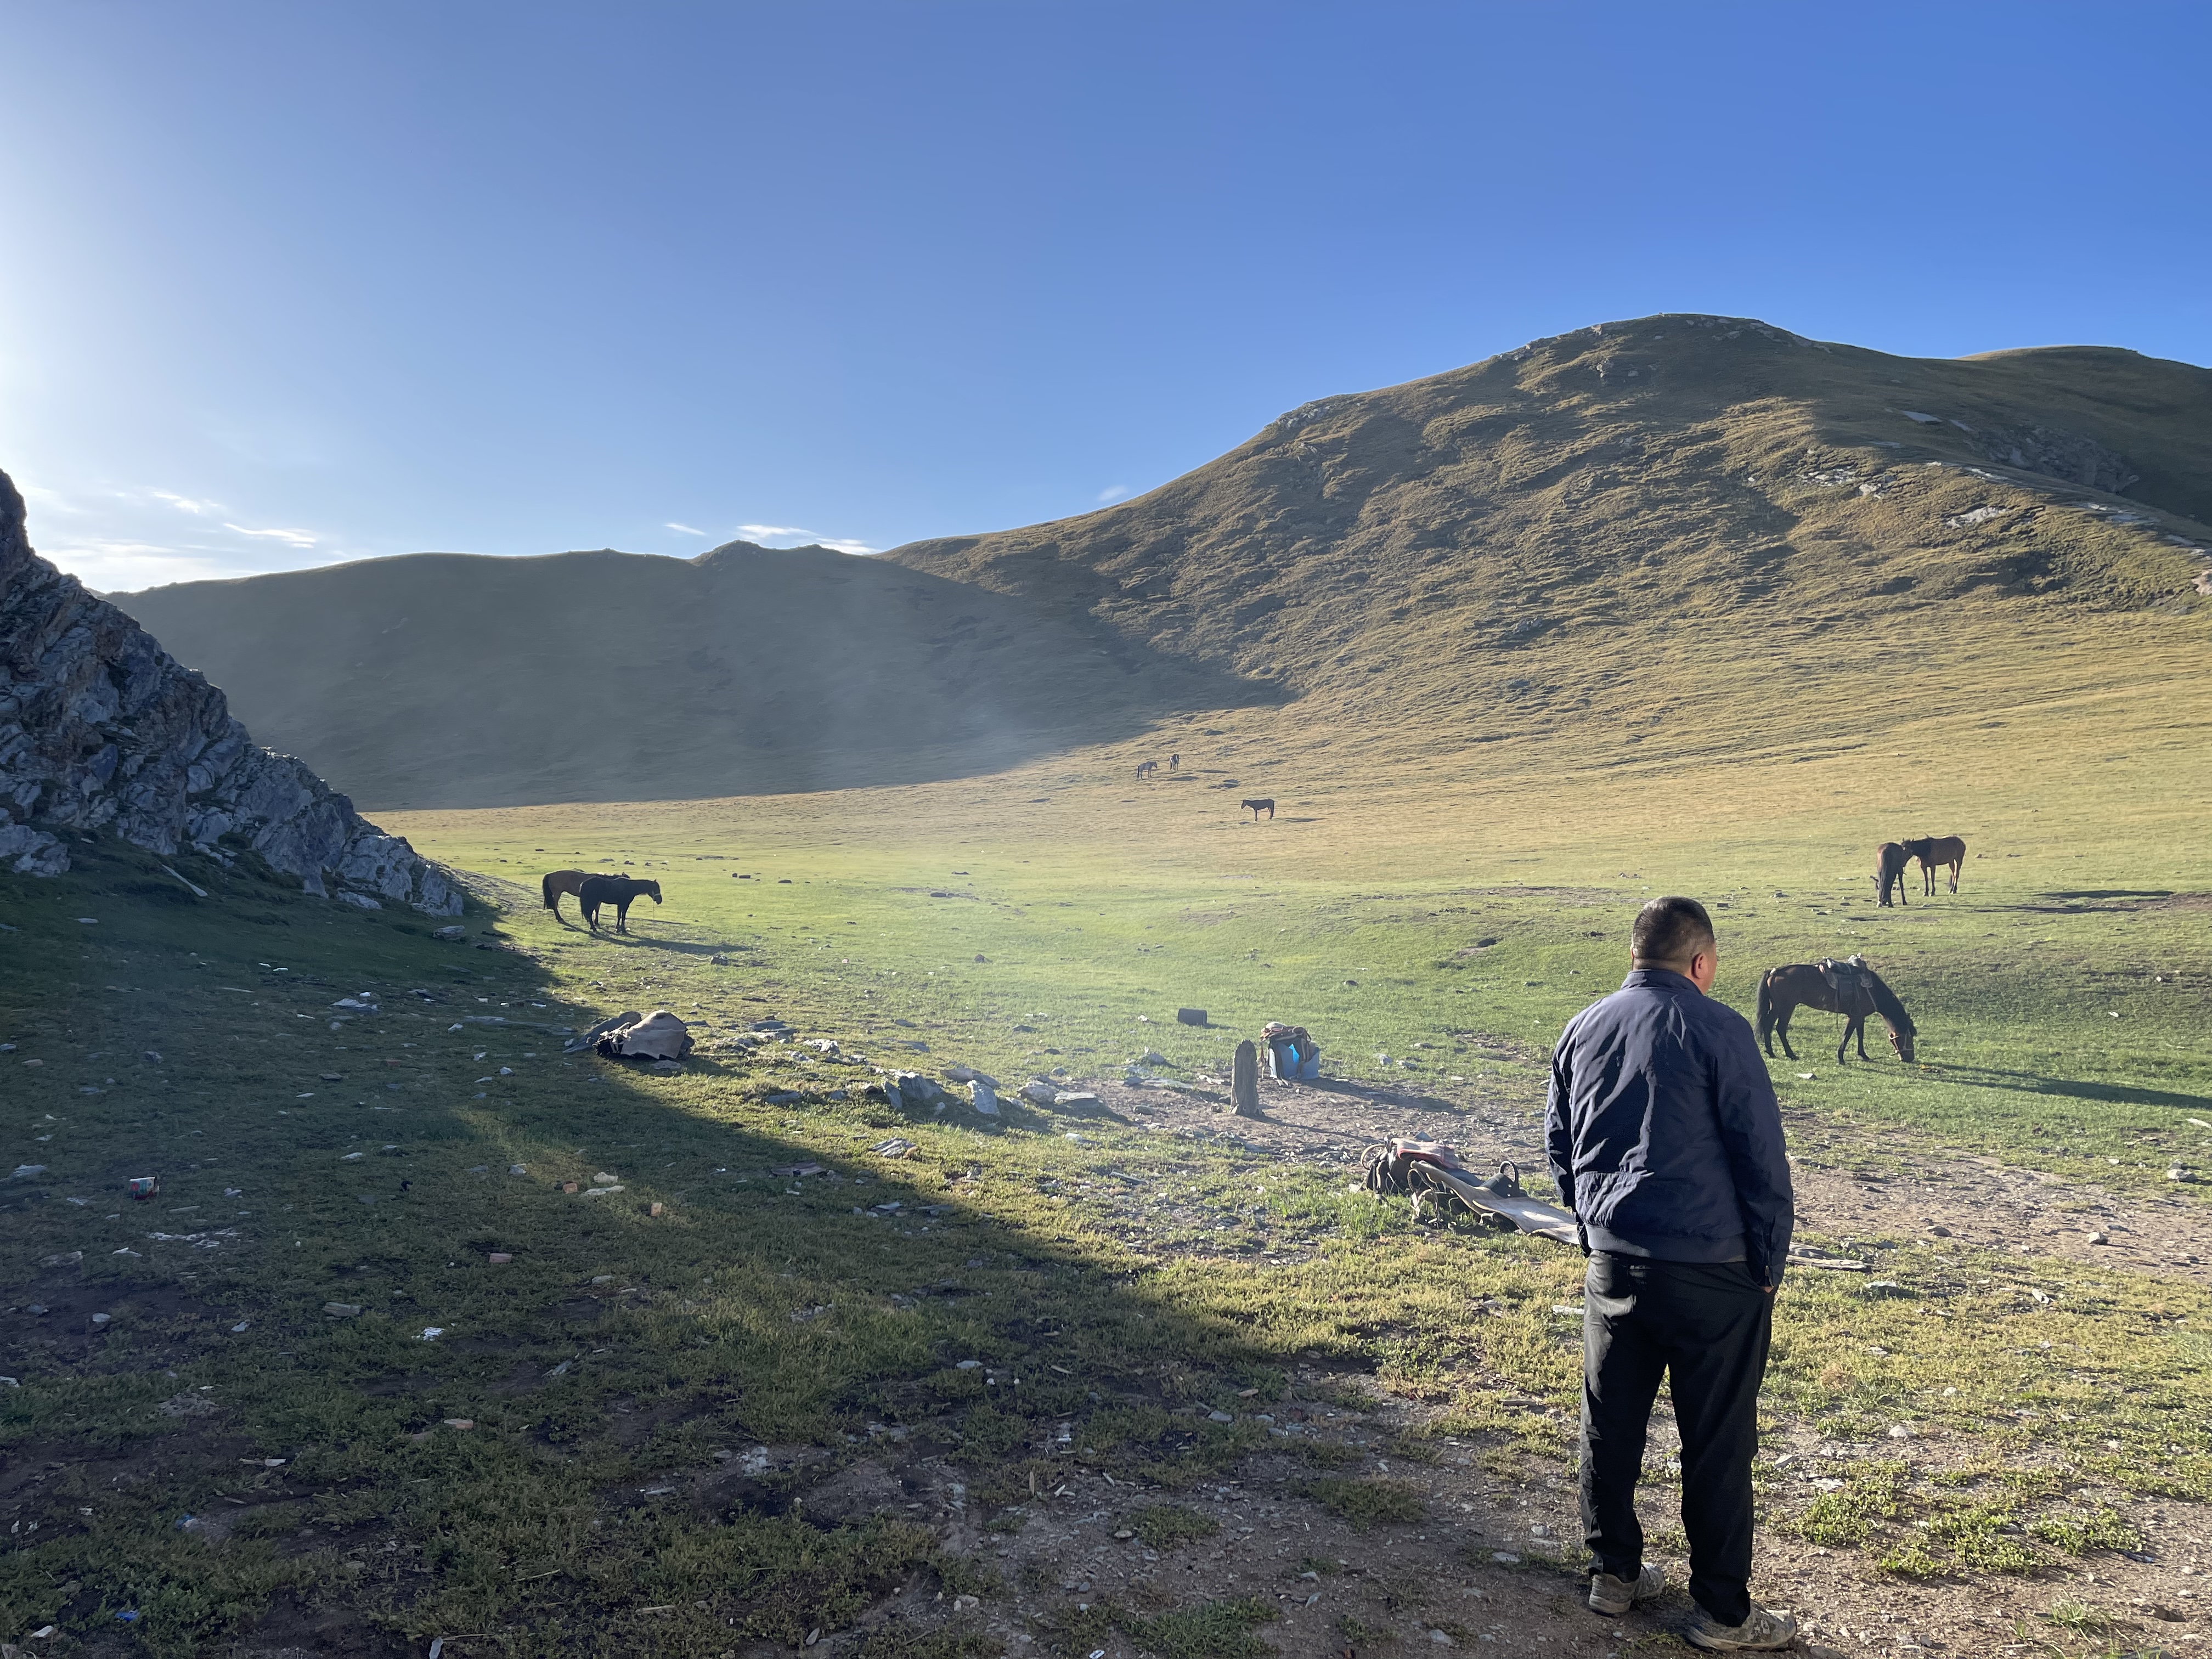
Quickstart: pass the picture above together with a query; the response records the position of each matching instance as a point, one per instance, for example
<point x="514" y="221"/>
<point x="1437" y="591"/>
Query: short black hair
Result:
<point x="1671" y="930"/>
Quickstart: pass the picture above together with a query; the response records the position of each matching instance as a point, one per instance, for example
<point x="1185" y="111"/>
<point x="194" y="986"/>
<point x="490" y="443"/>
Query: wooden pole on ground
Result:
<point x="1244" y="1081"/>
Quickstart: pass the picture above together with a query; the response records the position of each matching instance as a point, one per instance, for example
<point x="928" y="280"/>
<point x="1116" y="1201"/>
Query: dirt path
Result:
<point x="1975" y="1200"/>
<point x="1482" y="1568"/>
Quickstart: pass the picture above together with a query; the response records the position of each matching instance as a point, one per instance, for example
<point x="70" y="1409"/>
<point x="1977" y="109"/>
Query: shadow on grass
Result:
<point x="2032" y="1083"/>
<point x="867" y="1325"/>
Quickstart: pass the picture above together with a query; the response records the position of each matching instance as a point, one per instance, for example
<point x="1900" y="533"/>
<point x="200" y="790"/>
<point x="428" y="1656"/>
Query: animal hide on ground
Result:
<point x="656" y="1036"/>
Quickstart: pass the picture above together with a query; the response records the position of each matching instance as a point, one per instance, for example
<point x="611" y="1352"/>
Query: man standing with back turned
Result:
<point x="1666" y="1142"/>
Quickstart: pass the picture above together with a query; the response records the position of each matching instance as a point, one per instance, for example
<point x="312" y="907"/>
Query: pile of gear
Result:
<point x="1292" y="1055"/>
<point x="1431" y="1174"/>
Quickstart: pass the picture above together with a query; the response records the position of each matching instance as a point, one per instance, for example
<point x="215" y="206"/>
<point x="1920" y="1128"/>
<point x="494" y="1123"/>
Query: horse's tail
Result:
<point x="1765" y="1004"/>
<point x="1887" y="1005"/>
<point x="546" y="890"/>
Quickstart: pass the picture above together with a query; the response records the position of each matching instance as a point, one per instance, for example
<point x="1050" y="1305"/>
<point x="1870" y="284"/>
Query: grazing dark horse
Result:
<point x="1784" y="990"/>
<point x="1889" y="861"/>
<point x="1257" y="806"/>
<point x="617" y="890"/>
<point x="1146" y="770"/>
<point x="1933" y="851"/>
<point x="563" y="881"/>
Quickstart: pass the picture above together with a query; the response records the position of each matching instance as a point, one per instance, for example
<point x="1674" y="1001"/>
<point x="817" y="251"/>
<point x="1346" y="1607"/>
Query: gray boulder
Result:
<point x="101" y="729"/>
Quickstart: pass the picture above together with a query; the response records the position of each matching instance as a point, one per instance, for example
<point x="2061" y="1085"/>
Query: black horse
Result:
<point x="617" y="890"/>
<point x="1783" y="991"/>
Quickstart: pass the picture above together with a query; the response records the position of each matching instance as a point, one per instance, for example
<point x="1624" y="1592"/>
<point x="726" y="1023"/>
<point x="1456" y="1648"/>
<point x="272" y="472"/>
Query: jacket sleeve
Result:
<point x="1560" y="1123"/>
<point x="1750" y="1121"/>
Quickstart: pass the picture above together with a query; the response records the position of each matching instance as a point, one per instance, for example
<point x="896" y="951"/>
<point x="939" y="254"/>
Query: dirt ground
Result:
<point x="1484" y="1569"/>
<point x="1974" y="1200"/>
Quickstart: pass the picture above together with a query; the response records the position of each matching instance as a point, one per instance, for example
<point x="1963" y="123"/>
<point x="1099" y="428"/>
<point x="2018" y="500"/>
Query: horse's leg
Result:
<point x="622" y="916"/>
<point x="1846" y="1043"/>
<point x="591" y="913"/>
<point x="1782" y="1029"/>
<point x="1859" y="1026"/>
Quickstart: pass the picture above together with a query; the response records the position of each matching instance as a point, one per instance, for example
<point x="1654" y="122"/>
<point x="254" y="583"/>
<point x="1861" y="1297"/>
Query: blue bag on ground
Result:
<point x="1292" y="1054"/>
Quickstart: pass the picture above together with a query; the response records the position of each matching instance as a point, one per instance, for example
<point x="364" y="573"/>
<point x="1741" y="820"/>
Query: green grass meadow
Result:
<point x="1116" y="1286"/>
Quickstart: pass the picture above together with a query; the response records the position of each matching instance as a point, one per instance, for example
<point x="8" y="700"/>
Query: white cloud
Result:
<point x="290" y="537"/>
<point x="115" y="567"/>
<point x="685" y="528"/>
<point x="1112" y="493"/>
<point x="769" y="534"/>
<point x="46" y="501"/>
<point x="186" y="504"/>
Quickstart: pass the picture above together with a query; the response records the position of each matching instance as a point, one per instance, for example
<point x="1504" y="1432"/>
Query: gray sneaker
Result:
<point x="1762" y="1632"/>
<point x="1611" y="1594"/>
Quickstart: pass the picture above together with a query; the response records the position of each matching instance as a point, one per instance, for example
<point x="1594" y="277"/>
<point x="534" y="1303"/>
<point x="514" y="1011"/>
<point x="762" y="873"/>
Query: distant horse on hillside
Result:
<point x="617" y="890"/>
<point x="1146" y="770"/>
<point x="1783" y="991"/>
<point x="1932" y="851"/>
<point x="1174" y="762"/>
<point x="560" y="882"/>
<point x="1889" y="861"/>
<point x="1257" y="806"/>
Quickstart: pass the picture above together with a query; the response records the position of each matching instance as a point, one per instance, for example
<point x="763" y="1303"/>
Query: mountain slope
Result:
<point x="447" y="679"/>
<point x="1676" y="537"/>
<point x="1591" y="532"/>
<point x="101" y="730"/>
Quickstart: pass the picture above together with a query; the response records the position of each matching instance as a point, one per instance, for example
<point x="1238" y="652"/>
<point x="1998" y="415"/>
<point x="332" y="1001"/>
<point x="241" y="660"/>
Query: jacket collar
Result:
<point x="1663" y="979"/>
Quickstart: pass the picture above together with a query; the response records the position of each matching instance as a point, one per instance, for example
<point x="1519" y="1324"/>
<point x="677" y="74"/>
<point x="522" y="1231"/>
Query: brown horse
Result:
<point x="617" y="890"/>
<point x="1783" y="991"/>
<point x="1933" y="851"/>
<point x="562" y="881"/>
<point x="1257" y="807"/>
<point x="1889" y="861"/>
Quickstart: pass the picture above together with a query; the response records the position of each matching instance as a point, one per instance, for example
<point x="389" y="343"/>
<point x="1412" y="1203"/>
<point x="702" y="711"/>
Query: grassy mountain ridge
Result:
<point x="447" y="679"/>
<point x="1595" y="529"/>
<point x="1674" y="538"/>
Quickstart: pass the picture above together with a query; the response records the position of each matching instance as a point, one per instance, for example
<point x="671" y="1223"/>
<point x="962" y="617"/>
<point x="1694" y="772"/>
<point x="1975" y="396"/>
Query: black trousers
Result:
<point x="1707" y="1327"/>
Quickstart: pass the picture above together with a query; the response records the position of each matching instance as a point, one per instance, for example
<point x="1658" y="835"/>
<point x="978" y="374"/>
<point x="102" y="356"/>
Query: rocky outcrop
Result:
<point x="101" y="729"/>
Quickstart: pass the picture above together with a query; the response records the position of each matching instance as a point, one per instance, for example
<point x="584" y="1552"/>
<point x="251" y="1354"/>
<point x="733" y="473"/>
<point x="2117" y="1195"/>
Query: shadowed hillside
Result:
<point x="1681" y="538"/>
<point x="447" y="679"/>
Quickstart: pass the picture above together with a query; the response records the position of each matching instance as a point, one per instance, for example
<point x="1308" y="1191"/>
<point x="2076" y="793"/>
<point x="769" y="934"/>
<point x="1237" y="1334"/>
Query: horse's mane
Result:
<point x="1886" y="1003"/>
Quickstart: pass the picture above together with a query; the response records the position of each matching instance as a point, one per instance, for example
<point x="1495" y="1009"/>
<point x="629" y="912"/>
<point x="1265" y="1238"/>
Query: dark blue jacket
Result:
<point x="1663" y="1132"/>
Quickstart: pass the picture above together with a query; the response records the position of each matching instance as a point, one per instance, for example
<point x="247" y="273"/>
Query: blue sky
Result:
<point x="289" y="284"/>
